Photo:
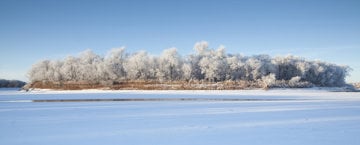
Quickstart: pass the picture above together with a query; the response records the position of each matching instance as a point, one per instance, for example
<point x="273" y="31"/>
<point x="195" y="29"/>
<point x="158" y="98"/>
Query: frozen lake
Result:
<point x="274" y="117"/>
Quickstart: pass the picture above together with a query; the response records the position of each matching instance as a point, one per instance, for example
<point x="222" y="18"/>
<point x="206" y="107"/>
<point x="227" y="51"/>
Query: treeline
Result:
<point x="11" y="83"/>
<point x="209" y="65"/>
<point x="356" y="85"/>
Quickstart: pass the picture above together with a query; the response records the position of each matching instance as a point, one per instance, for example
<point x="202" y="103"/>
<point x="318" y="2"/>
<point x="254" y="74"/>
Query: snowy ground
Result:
<point x="316" y="117"/>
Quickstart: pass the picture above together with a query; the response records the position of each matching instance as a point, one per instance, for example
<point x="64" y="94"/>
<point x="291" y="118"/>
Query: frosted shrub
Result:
<point x="269" y="80"/>
<point x="294" y="80"/>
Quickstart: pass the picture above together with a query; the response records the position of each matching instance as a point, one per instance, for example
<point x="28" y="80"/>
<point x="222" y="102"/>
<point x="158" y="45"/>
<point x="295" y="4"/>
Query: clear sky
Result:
<point x="33" y="30"/>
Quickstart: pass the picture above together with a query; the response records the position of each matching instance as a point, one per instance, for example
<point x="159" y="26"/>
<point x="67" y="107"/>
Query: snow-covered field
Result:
<point x="274" y="117"/>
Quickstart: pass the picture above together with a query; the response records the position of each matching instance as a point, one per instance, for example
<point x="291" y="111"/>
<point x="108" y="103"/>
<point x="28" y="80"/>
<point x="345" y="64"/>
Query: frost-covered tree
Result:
<point x="213" y="64"/>
<point x="193" y="60"/>
<point x="186" y="70"/>
<point x="287" y="67"/>
<point x="262" y="66"/>
<point x="114" y="64"/>
<point x="70" y="69"/>
<point x="170" y="64"/>
<point x="153" y="68"/>
<point x="236" y="66"/>
<point x="252" y="68"/>
<point x="202" y="48"/>
<point x="137" y="66"/>
<point x="40" y="71"/>
<point x="55" y="71"/>
<point x="89" y="66"/>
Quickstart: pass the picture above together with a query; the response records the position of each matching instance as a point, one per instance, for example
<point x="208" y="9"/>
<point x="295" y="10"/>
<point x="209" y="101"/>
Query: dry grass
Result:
<point x="64" y="85"/>
<point x="146" y="85"/>
<point x="356" y="85"/>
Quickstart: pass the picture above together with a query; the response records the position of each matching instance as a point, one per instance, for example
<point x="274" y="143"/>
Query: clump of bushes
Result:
<point x="205" y="65"/>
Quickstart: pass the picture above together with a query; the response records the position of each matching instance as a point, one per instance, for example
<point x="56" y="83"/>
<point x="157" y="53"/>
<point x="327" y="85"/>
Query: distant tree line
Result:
<point x="11" y="83"/>
<point x="210" y="65"/>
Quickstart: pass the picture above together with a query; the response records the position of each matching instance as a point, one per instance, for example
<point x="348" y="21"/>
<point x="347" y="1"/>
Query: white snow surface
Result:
<point x="291" y="117"/>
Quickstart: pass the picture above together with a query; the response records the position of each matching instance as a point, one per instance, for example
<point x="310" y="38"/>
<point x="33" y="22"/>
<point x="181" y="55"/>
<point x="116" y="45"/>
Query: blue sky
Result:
<point x="33" y="30"/>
